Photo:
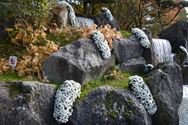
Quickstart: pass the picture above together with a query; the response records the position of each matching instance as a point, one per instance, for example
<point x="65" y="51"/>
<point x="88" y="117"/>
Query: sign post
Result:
<point x="13" y="62"/>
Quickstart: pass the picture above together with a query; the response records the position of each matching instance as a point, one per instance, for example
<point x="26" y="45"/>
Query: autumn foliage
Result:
<point x="108" y="32"/>
<point x="38" y="47"/>
<point x="4" y="66"/>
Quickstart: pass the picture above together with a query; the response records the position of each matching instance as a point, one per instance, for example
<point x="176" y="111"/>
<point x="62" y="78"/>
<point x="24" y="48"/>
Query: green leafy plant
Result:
<point x="25" y="10"/>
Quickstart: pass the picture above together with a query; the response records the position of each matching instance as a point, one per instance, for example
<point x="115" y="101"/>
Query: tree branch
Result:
<point x="167" y="4"/>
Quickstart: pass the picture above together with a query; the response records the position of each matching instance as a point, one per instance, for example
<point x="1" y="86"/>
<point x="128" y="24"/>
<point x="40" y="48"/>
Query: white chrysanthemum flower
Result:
<point x="142" y="93"/>
<point x="143" y="39"/>
<point x="101" y="44"/>
<point x="107" y="13"/>
<point x="64" y="99"/>
<point x="72" y="16"/>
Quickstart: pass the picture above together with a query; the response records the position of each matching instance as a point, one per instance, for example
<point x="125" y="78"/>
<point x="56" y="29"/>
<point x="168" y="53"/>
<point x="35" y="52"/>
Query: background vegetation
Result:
<point x="152" y="14"/>
<point x="30" y="37"/>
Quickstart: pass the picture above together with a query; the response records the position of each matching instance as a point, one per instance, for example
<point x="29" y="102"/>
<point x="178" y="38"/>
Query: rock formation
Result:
<point x="109" y="106"/>
<point x="165" y="84"/>
<point x="80" y="61"/>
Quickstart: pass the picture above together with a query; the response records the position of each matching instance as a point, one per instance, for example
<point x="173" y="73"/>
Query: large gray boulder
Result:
<point x="125" y="49"/>
<point x="177" y="34"/>
<point x="166" y="86"/>
<point x="185" y="74"/>
<point x="80" y="61"/>
<point x="133" y="65"/>
<point x="26" y="103"/>
<point x="109" y="106"/>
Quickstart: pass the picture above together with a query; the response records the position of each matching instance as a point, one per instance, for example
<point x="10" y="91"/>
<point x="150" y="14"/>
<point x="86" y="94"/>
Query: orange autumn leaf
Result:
<point x="9" y="29"/>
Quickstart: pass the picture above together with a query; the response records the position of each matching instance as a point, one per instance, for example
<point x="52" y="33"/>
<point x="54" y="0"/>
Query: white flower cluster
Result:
<point x="72" y="16"/>
<point x="143" y="39"/>
<point x="107" y="13"/>
<point x="184" y="50"/>
<point x="64" y="99"/>
<point x="101" y="43"/>
<point x="142" y="93"/>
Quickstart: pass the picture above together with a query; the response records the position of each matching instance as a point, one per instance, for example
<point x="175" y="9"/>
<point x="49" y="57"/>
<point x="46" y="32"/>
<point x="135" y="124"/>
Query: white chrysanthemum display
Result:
<point x="72" y="16"/>
<point x="143" y="39"/>
<point x="64" y="99"/>
<point x="107" y="13"/>
<point x="101" y="44"/>
<point x="184" y="50"/>
<point x="142" y="93"/>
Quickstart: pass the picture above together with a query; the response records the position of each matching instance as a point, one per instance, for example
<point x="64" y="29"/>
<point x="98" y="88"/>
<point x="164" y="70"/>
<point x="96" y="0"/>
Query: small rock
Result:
<point x="133" y="65"/>
<point x="125" y="49"/>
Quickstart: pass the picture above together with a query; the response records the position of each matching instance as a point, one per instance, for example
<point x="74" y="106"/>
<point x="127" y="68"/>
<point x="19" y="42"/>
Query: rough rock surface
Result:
<point x="125" y="49"/>
<point x="147" y="51"/>
<point x="133" y="65"/>
<point x="100" y="20"/>
<point x="109" y="106"/>
<point x="177" y="34"/>
<point x="80" y="61"/>
<point x="183" y="110"/>
<point x="185" y="75"/>
<point x="149" y="34"/>
<point x="166" y="86"/>
<point x="26" y="103"/>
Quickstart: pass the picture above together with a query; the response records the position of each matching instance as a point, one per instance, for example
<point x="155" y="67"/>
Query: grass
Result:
<point x="125" y="34"/>
<point x="11" y="76"/>
<point x="116" y="83"/>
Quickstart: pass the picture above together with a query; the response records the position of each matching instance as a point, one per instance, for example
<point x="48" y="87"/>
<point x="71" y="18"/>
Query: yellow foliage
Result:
<point x="9" y="29"/>
<point x="26" y="34"/>
<point x="30" y="64"/>
<point x="86" y="32"/>
<point x="108" y="32"/>
<point x="113" y="74"/>
<point x="4" y="65"/>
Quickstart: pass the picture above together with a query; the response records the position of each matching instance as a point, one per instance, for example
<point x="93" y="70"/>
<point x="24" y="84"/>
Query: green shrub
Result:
<point x="24" y="10"/>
